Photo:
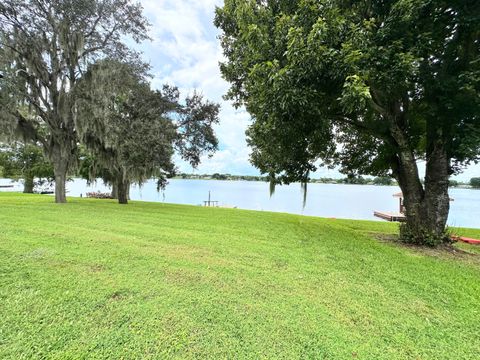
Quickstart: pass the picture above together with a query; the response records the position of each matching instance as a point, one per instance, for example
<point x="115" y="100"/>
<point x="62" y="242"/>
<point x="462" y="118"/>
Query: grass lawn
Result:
<point x="93" y="279"/>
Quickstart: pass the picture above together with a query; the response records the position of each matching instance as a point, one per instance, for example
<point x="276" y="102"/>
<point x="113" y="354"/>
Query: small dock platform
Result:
<point x="393" y="216"/>
<point x="390" y="216"/>
<point x="210" y="202"/>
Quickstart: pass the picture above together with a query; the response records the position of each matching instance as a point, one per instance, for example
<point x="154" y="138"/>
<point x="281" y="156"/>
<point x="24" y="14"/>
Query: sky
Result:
<point x="185" y="52"/>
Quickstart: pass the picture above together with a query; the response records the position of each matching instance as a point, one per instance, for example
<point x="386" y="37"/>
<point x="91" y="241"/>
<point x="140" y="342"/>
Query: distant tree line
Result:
<point x="357" y="180"/>
<point x="475" y="182"/>
<point x="218" y="176"/>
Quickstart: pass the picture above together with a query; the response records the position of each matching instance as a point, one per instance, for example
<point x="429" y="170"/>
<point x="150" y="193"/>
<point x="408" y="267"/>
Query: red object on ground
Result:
<point x="466" y="239"/>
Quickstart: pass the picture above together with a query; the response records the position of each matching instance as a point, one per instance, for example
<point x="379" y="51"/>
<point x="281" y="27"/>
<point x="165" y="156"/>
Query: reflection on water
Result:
<point x="326" y="200"/>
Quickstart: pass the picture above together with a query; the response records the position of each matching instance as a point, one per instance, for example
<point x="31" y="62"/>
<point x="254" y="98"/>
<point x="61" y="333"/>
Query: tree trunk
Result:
<point x="60" y="171"/>
<point x="28" y="184"/>
<point x="426" y="208"/>
<point x="437" y="200"/>
<point x="61" y="154"/>
<point x="114" y="190"/>
<point x="122" y="190"/>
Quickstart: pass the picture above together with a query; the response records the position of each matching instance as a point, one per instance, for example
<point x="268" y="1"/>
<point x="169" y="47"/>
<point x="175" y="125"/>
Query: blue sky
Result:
<point x="185" y="52"/>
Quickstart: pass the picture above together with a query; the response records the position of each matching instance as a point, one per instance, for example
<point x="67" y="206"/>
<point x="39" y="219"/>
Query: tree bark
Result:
<point x="60" y="171"/>
<point x="61" y="153"/>
<point x="122" y="190"/>
<point x="437" y="200"/>
<point x="426" y="207"/>
<point x="28" y="184"/>
<point x="114" y="190"/>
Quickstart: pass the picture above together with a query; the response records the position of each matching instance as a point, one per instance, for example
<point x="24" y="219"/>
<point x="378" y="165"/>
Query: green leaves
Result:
<point x="317" y="73"/>
<point x="133" y="131"/>
<point x="355" y="95"/>
<point x="20" y="160"/>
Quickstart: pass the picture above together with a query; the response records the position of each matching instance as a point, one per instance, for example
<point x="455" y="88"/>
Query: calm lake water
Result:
<point x="325" y="200"/>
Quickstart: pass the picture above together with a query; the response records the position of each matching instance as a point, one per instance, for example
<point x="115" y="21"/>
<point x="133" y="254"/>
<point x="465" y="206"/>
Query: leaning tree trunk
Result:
<point x="28" y="184"/>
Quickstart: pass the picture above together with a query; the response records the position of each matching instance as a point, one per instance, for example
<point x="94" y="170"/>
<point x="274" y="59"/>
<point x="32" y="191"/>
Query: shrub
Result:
<point x="99" y="195"/>
<point x="475" y="182"/>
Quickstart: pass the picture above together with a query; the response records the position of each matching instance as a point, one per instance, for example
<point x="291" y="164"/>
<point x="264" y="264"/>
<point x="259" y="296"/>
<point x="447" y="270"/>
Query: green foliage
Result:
<point x="46" y="48"/>
<point x="154" y="281"/>
<point x="371" y="87"/>
<point x="475" y="182"/>
<point x="421" y="236"/>
<point x="352" y="179"/>
<point x="25" y="161"/>
<point x="383" y="180"/>
<point x="132" y="131"/>
<point x="218" y="176"/>
<point x="317" y="73"/>
<point x="453" y="183"/>
<point x="90" y="168"/>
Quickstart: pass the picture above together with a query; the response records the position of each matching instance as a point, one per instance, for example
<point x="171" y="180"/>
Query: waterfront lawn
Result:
<point x="94" y="279"/>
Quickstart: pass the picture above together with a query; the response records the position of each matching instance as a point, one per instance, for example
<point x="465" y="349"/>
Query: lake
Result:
<point x="325" y="200"/>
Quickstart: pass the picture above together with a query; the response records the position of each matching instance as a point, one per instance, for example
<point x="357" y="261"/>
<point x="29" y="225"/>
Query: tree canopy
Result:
<point x="370" y="86"/>
<point x="133" y="131"/>
<point x="46" y="47"/>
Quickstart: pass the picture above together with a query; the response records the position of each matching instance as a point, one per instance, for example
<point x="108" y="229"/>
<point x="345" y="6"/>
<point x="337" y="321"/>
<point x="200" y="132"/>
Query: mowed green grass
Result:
<point x="95" y="280"/>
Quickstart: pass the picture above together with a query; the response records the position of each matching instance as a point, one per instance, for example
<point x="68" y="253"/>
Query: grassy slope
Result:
<point x="92" y="279"/>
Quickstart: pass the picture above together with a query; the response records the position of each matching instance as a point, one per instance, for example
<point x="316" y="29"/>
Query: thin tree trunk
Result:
<point x="28" y="184"/>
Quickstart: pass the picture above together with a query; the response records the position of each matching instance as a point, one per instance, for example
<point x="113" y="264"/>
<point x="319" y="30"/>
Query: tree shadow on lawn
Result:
<point x="455" y="251"/>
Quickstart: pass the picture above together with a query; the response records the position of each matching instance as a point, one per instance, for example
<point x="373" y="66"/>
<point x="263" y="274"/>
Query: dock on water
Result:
<point x="395" y="216"/>
<point x="209" y="202"/>
<point x="390" y="216"/>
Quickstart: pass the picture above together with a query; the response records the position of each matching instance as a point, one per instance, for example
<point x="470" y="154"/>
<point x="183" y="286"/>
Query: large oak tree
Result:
<point x="133" y="131"/>
<point x="372" y="86"/>
<point x="45" y="48"/>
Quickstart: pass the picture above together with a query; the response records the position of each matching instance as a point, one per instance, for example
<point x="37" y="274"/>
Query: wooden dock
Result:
<point x="209" y="202"/>
<point x="390" y="216"/>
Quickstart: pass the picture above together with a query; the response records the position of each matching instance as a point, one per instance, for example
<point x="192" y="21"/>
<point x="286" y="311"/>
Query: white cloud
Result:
<point x="185" y="52"/>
